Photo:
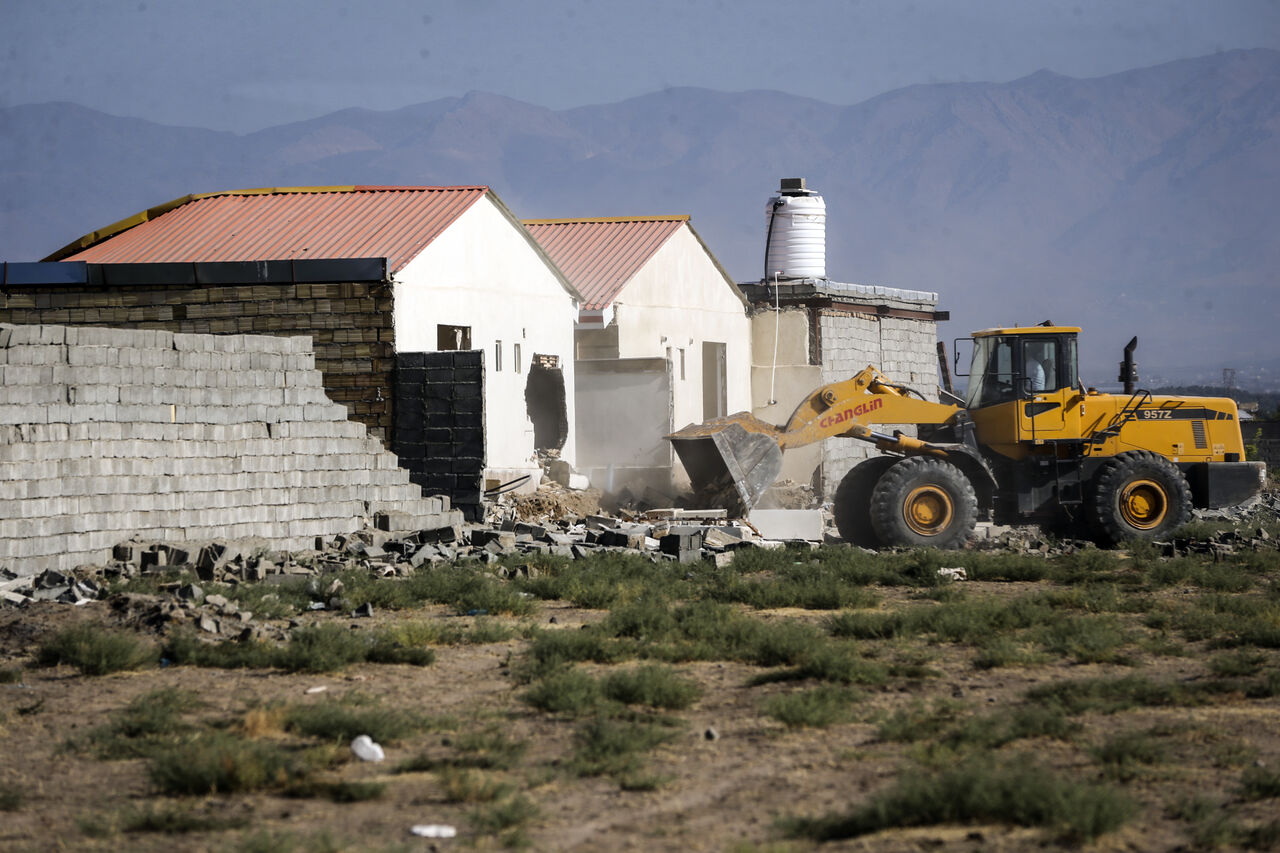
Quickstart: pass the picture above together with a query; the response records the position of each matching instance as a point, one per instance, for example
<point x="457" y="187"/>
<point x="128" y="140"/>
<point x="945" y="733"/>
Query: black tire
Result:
<point x="923" y="501"/>
<point x="852" y="505"/>
<point x="1138" y="495"/>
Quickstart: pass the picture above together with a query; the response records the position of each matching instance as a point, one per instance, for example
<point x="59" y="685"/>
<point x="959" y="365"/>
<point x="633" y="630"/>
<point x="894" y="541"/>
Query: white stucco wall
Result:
<point x="680" y="299"/>
<point x="786" y="381"/>
<point x="483" y="273"/>
<point x="902" y="349"/>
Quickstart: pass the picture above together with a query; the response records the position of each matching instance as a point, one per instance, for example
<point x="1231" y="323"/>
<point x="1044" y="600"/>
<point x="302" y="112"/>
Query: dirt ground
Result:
<point x="719" y="794"/>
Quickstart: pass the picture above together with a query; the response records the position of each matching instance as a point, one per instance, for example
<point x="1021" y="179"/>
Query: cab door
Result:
<point x="1044" y="391"/>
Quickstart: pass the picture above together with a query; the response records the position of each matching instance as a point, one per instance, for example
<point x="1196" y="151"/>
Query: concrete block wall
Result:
<point x="903" y="349"/>
<point x="439" y="430"/>
<point x="350" y="323"/>
<point x="106" y="434"/>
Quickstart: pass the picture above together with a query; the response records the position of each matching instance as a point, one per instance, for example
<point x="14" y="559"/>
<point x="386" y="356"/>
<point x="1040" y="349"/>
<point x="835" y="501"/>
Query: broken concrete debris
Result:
<point x="679" y="535"/>
<point x="667" y="534"/>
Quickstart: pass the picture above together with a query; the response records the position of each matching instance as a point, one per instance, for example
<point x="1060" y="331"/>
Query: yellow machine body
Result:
<point x="1029" y="443"/>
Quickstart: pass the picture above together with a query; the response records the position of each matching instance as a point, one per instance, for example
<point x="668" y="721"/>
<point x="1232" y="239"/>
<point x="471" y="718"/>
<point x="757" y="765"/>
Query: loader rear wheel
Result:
<point x="921" y="501"/>
<point x="1139" y="495"/>
<point x="852" y="505"/>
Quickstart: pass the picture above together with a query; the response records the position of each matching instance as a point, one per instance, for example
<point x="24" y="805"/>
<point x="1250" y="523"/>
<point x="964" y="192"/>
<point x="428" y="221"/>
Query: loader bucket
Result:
<point x="728" y="466"/>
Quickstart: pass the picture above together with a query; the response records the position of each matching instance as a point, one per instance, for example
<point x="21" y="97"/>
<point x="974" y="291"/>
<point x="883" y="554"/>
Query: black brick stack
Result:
<point x="439" y="424"/>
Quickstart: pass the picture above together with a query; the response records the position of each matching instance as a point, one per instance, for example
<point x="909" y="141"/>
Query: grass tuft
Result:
<point x="979" y="790"/>
<point x="817" y="708"/>
<point x="175" y="819"/>
<point x="347" y="718"/>
<point x="222" y="763"/>
<point x="469" y="785"/>
<point x="607" y="746"/>
<point x="1259" y="783"/>
<point x="150" y="719"/>
<point x="95" y="650"/>
<point x="654" y="685"/>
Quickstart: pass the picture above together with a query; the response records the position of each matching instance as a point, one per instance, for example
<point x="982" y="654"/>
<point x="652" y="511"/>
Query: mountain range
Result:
<point x="1143" y="203"/>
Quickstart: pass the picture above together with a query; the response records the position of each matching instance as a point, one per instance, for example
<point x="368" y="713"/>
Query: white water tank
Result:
<point x="796" y="240"/>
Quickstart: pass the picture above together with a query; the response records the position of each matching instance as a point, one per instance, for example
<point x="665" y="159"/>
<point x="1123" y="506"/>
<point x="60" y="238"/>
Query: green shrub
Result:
<point x="11" y="797"/>
<point x="466" y="591"/>
<point x="347" y="718"/>
<point x="816" y="708"/>
<point x="1005" y="651"/>
<point x="653" y="685"/>
<point x="606" y="746"/>
<point x="992" y="731"/>
<point x="840" y="664"/>
<point x="566" y="691"/>
<point x="95" y="650"/>
<point x="222" y="763"/>
<point x="920" y="721"/>
<point x="175" y="819"/>
<point x="1239" y="664"/>
<point x="978" y="790"/>
<point x="148" y="720"/>
<point x="469" y="785"/>
<point x="504" y="815"/>
<point x="1085" y="639"/>
<point x="312" y="648"/>
<point x="1109" y="695"/>
<point x="1123" y="754"/>
<point x="1260" y="783"/>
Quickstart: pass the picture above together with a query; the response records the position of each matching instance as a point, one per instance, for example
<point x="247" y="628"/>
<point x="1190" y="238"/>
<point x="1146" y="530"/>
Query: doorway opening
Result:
<point x="544" y="398"/>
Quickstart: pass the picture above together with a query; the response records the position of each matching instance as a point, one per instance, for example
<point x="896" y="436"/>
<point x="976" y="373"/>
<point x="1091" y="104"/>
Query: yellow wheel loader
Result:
<point x="1027" y="444"/>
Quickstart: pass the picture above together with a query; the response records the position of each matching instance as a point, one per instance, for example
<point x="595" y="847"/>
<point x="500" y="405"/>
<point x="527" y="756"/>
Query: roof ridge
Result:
<point x="598" y="220"/>
<point x="339" y="188"/>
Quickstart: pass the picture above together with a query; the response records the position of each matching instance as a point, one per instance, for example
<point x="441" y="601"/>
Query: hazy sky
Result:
<point x="246" y="64"/>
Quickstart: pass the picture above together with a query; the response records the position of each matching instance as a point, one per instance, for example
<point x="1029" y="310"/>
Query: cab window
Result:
<point x="992" y="378"/>
<point x="1039" y="365"/>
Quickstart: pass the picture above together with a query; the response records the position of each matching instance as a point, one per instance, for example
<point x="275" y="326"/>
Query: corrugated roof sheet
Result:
<point x="291" y="223"/>
<point x="599" y="256"/>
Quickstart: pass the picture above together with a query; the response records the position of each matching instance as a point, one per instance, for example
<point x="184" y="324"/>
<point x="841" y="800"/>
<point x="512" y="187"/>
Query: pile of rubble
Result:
<point x="672" y="534"/>
<point x="389" y="550"/>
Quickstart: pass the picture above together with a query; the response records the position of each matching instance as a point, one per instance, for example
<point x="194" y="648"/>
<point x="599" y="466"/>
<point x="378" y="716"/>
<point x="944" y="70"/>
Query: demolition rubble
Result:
<point x="504" y="545"/>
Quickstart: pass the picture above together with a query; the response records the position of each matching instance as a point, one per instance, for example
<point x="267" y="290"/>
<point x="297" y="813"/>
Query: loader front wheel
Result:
<point x="852" y="505"/>
<point x="922" y="501"/>
<point x="1139" y="495"/>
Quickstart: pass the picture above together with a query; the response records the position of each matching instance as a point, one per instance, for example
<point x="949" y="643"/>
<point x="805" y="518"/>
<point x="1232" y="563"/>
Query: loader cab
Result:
<point x="1021" y="387"/>
<point x="1019" y="363"/>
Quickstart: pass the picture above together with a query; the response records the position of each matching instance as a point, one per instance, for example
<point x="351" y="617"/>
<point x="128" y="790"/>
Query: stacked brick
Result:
<point x="349" y="322"/>
<point x="439" y="430"/>
<point x="902" y="349"/>
<point x="108" y="434"/>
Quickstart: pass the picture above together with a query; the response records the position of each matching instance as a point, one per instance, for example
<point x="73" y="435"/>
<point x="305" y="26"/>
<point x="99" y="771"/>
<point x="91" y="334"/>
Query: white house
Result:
<point x="463" y="274"/>
<point x="662" y="340"/>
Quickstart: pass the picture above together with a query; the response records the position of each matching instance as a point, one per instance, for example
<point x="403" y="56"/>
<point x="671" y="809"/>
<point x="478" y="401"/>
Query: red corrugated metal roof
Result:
<point x="599" y="256"/>
<point x="290" y="223"/>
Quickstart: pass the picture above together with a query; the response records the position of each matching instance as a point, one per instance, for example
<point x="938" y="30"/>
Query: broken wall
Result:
<point x="106" y="434"/>
<point x="342" y="304"/>
<point x="624" y="410"/>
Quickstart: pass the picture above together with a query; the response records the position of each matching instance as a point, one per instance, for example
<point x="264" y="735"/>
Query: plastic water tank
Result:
<point x="797" y="235"/>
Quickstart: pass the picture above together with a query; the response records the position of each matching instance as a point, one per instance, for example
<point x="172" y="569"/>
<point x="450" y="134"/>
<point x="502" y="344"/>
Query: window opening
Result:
<point x="453" y="337"/>
<point x="497" y="356"/>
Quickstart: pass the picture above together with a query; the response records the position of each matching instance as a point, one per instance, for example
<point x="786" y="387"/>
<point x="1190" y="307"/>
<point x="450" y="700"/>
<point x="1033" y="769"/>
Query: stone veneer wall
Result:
<point x="903" y="349"/>
<point x="350" y="322"/>
<point x="106" y="434"/>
